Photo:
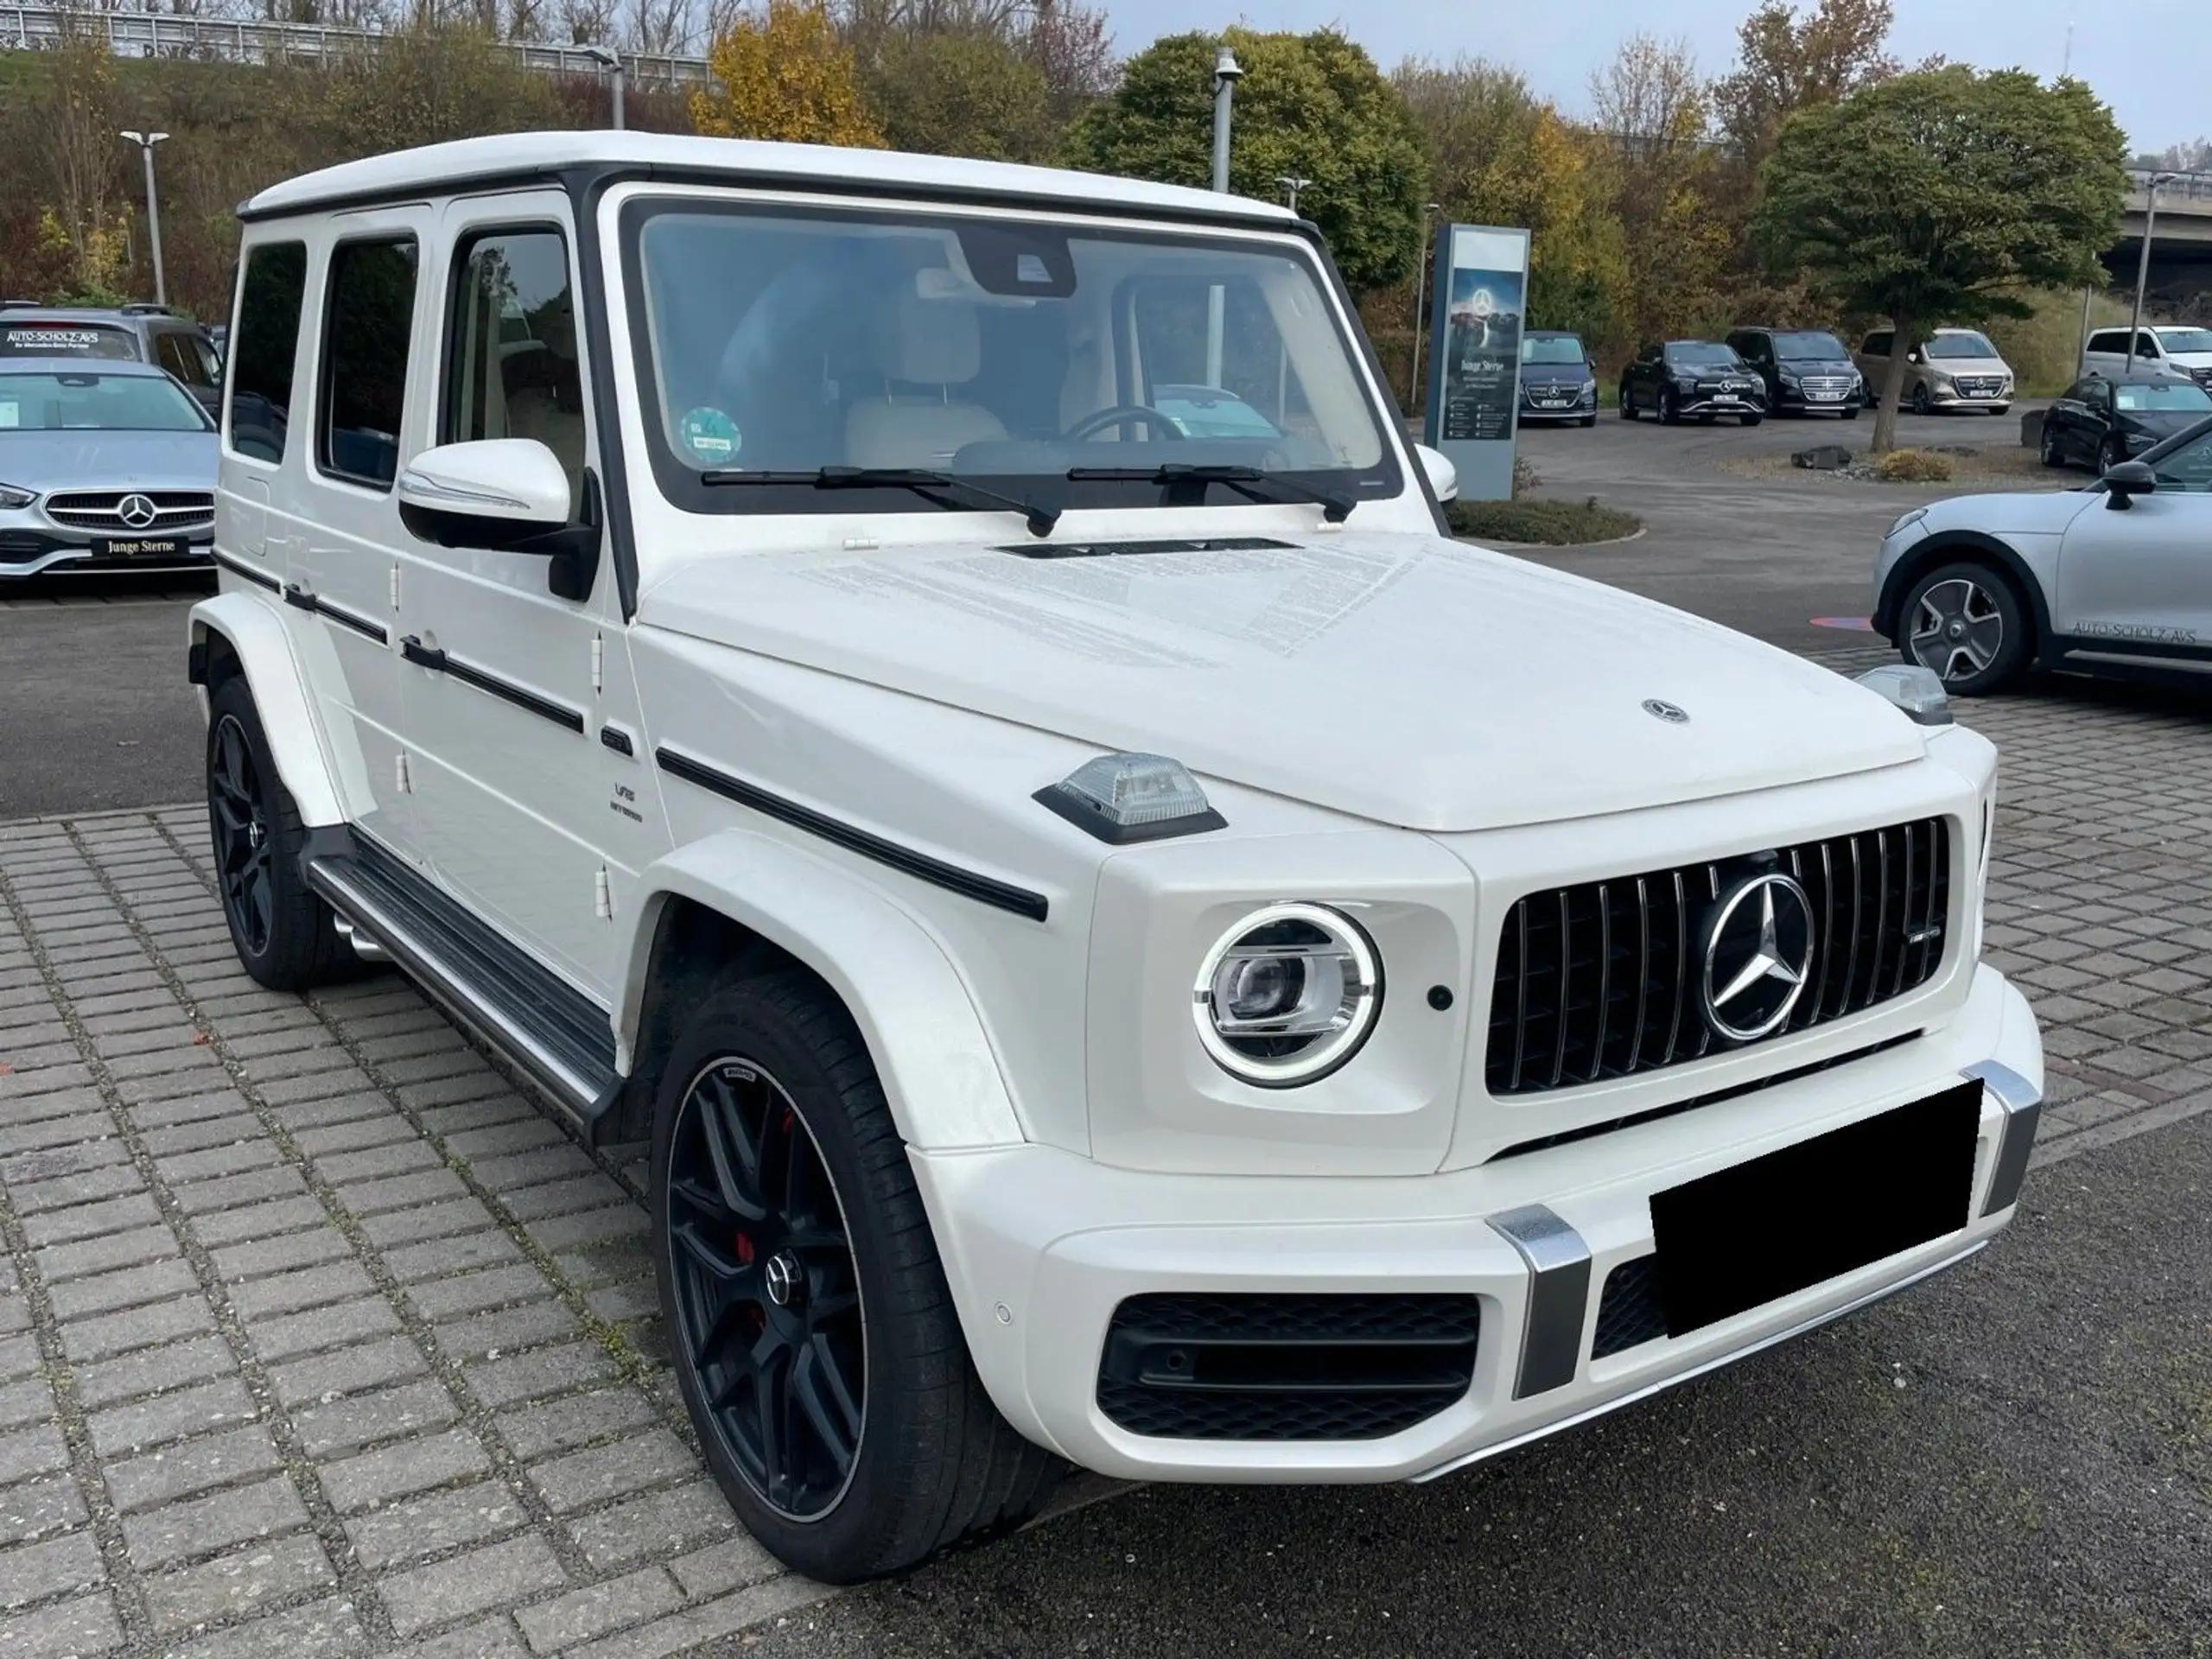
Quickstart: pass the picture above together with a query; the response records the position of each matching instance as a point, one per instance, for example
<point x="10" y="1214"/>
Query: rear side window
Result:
<point x="186" y="356"/>
<point x="368" y="322"/>
<point x="272" y="290"/>
<point x="60" y="338"/>
<point x="1878" y="345"/>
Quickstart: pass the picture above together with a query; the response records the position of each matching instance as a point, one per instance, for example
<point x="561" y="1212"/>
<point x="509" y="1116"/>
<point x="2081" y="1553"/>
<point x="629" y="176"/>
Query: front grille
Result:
<point x="174" y="510"/>
<point x="1297" y="1367"/>
<point x="1835" y="382"/>
<point x="1975" y="385"/>
<point x="1630" y="1312"/>
<point x="1599" y="980"/>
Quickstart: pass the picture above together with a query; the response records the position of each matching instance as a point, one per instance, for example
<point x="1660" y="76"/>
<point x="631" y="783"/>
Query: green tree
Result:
<point x="1938" y="197"/>
<point x="965" y="93"/>
<point x="1311" y="106"/>
<point x="1787" y="62"/>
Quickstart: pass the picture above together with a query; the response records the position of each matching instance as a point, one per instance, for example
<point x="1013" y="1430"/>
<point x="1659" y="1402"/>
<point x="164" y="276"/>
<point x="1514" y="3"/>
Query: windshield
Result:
<point x="2181" y="395"/>
<point x="67" y="340"/>
<point x="1552" y="348"/>
<point x="1701" y="351"/>
<point x="1008" y="351"/>
<point x="1965" y="343"/>
<point x="97" y="403"/>
<point x="2186" y="340"/>
<point x="1812" y="343"/>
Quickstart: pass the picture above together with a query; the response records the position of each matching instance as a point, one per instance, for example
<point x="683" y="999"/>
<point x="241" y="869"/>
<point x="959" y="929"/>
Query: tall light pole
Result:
<point x="1227" y="72"/>
<point x="2142" y="263"/>
<point x="1428" y="211"/>
<point x="613" y="60"/>
<point x="1291" y="184"/>
<point x="146" y="140"/>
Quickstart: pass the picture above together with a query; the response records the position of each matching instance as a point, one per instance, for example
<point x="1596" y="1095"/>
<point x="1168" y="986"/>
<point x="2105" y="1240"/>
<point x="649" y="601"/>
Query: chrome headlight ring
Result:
<point x="1287" y="995"/>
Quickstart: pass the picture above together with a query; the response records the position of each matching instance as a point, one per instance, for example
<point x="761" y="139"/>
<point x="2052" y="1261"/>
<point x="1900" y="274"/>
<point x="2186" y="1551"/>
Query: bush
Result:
<point x="1913" y="467"/>
<point x="1549" y="523"/>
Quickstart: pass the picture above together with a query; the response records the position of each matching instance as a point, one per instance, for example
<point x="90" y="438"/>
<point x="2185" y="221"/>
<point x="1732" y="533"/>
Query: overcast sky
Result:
<point x="2150" y="71"/>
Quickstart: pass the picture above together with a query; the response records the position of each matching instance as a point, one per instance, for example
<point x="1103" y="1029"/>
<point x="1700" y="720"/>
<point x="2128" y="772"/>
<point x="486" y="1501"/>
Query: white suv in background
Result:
<point x="1128" y="946"/>
<point x="2175" y="349"/>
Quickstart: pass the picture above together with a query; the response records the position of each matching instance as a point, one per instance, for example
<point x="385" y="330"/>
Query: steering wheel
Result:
<point x="1123" y="415"/>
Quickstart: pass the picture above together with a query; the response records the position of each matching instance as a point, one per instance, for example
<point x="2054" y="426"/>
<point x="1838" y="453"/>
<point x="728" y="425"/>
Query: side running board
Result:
<point x="558" y="1037"/>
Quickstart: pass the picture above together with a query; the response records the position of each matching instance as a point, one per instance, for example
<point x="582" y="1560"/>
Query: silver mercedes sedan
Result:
<point x="104" y="466"/>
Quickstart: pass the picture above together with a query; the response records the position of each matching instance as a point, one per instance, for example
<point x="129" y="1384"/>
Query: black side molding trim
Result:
<point x="439" y="662"/>
<point x="298" y="598"/>
<point x="360" y="625"/>
<point x="984" y="889"/>
<point x="258" y="578"/>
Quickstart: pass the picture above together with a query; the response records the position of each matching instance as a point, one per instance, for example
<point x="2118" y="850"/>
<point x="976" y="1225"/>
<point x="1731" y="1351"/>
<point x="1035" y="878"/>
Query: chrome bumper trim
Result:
<point x="1559" y="1296"/>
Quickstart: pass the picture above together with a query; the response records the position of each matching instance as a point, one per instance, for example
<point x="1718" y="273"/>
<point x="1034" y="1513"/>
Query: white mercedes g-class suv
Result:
<point x="938" y="695"/>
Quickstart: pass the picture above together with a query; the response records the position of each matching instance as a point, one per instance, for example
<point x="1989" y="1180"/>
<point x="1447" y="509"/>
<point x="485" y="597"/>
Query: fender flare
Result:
<point x="939" y="1072"/>
<point x="1973" y="546"/>
<point x="257" y="638"/>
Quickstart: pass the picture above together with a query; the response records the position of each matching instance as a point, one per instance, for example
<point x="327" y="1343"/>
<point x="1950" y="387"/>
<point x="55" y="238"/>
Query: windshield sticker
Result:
<point x="711" y="437"/>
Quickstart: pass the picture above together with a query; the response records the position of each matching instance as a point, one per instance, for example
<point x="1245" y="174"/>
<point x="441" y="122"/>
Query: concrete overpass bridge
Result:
<point x="2181" y="243"/>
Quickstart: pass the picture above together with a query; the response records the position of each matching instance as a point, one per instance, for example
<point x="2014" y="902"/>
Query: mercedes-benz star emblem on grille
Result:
<point x="136" y="510"/>
<point x="1660" y="708"/>
<point x="1757" y="955"/>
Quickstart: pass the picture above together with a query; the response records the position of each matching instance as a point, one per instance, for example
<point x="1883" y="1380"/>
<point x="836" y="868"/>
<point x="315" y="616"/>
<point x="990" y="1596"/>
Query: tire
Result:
<point x="286" y="937"/>
<point x="1851" y="414"/>
<point x="1750" y="420"/>
<point x="1969" y="624"/>
<point x="1628" y="404"/>
<point x="920" y="1459"/>
<point x="1922" y="404"/>
<point x="1669" y="415"/>
<point x="2047" y="452"/>
<point x="1587" y="421"/>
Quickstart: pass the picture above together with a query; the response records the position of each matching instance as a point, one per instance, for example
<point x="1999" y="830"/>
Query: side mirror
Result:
<point x="2127" y="480"/>
<point x="1443" y="477"/>
<point x="510" y="494"/>
<point x="1914" y="355"/>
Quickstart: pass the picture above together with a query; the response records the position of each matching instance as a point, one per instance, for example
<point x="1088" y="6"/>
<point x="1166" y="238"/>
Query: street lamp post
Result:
<point x="612" y="61"/>
<point x="1428" y="211"/>
<point x="1291" y="184"/>
<point x="1227" y="72"/>
<point x="146" y="140"/>
<point x="2143" y="260"/>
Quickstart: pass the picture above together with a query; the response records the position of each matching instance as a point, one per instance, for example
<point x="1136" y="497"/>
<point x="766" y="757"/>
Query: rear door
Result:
<point x="2138" y="583"/>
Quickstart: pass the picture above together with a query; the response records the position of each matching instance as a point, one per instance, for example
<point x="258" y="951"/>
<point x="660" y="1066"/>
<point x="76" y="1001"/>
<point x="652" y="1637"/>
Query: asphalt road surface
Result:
<point x="94" y="710"/>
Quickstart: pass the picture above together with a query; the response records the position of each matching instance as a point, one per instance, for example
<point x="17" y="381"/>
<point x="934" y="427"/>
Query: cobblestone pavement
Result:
<point x="317" y="1338"/>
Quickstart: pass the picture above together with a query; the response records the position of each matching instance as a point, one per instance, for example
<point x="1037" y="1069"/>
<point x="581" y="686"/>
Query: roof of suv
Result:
<point x="60" y="365"/>
<point x="123" y="316"/>
<point x="536" y="157"/>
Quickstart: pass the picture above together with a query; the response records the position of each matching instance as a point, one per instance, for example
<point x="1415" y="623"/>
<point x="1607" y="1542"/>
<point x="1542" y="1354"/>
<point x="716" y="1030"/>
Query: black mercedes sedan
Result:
<point x="2102" y="420"/>
<point x="1699" y="378"/>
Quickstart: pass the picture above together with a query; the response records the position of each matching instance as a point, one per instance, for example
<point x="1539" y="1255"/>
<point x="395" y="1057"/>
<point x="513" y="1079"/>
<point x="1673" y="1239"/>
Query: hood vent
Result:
<point x="1120" y="549"/>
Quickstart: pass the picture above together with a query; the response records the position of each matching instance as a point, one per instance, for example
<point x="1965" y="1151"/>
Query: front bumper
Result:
<point x="1995" y="403"/>
<point x="29" y="550"/>
<point x="1579" y="405"/>
<point x="1798" y="401"/>
<point x="1041" y="1247"/>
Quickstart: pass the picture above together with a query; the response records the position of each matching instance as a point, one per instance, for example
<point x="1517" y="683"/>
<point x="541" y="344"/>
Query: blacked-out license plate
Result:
<point x="139" y="547"/>
<point x="1745" y="1235"/>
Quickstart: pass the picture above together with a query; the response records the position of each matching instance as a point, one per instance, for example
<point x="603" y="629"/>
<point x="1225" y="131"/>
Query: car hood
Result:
<point x="1956" y="367"/>
<point x="2011" y="513"/>
<point x="108" y="460"/>
<point x="2159" y="423"/>
<point x="1404" y="679"/>
<point x="1543" y="374"/>
<point x="1819" y="365"/>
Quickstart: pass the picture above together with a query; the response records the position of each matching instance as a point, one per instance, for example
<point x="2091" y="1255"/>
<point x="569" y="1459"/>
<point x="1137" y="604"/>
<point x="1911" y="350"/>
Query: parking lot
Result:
<point x="316" y="1337"/>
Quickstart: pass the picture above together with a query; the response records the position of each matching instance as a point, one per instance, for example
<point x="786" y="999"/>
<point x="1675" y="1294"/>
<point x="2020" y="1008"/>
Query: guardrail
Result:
<point x="151" y="35"/>
<point x="2172" y="186"/>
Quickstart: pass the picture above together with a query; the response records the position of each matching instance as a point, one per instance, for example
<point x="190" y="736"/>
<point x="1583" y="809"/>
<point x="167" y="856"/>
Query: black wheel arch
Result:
<point x="1962" y="547"/>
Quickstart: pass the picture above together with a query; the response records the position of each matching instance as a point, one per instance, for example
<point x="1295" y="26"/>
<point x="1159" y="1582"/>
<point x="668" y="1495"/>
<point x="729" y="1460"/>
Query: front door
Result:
<point x="2139" y="584"/>
<point x="532" y="797"/>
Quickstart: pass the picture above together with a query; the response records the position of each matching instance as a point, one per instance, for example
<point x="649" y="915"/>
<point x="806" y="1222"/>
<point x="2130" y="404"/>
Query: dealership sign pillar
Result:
<point x="1474" y="354"/>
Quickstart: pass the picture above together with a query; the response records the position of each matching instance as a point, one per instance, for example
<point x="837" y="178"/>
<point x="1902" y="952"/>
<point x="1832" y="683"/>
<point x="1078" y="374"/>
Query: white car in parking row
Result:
<point x="1128" y="946"/>
<point x="2115" y="578"/>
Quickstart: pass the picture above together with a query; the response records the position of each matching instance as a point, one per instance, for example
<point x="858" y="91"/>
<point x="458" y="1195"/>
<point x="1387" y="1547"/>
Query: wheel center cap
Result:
<point x="1958" y="630"/>
<point x="785" y="1281"/>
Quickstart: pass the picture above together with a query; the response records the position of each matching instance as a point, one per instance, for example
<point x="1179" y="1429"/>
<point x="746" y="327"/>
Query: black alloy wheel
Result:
<point x="2049" y="451"/>
<point x="238" y="826"/>
<point x="767" y="1294"/>
<point x="1969" y="624"/>
<point x="1669" y="407"/>
<point x="1628" y="402"/>
<point x="1922" y="402"/>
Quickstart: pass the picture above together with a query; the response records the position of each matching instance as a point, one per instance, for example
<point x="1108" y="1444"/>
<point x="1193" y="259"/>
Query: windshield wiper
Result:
<point x="1336" y="505"/>
<point x="943" y="488"/>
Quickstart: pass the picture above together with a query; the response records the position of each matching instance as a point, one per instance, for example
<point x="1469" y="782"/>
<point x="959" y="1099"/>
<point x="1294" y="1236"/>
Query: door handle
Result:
<point x="422" y="656"/>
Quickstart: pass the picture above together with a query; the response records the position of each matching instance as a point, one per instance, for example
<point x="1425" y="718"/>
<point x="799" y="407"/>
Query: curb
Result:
<point x="1636" y="535"/>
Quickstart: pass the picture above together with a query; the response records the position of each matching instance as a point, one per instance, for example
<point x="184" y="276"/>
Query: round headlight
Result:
<point x="1287" y="995"/>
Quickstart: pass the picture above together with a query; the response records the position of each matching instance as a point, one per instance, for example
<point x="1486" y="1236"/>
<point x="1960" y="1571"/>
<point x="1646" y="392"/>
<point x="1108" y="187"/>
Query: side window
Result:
<point x="1878" y="344"/>
<point x="510" y="369"/>
<point x="2146" y="346"/>
<point x="2188" y="468"/>
<point x="272" y="290"/>
<point x="2107" y="341"/>
<point x="366" y="325"/>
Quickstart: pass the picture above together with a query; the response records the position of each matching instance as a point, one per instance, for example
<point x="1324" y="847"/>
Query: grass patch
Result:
<point x="1915" y="466"/>
<point x="1552" y="523"/>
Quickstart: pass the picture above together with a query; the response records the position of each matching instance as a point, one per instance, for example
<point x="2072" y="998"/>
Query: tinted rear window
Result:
<point x="68" y="340"/>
